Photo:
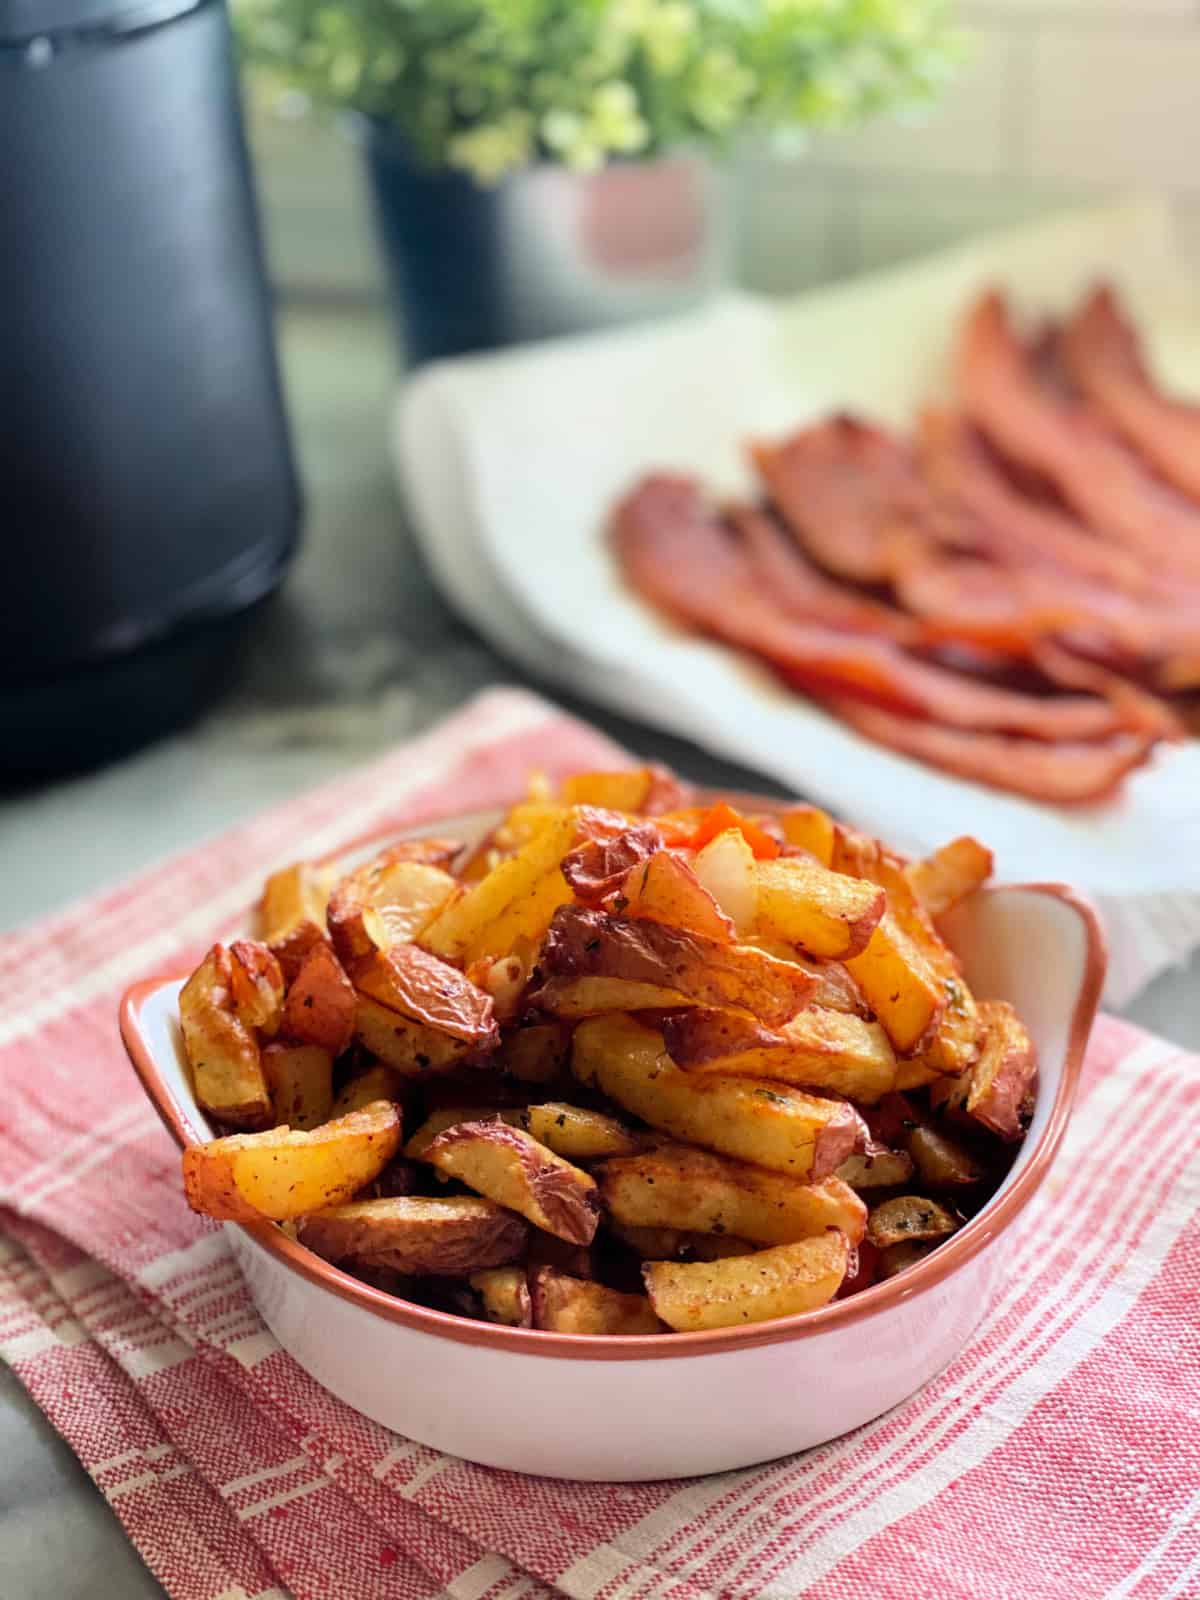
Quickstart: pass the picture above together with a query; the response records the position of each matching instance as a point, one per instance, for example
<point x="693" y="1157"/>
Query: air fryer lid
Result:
<point x="22" y="20"/>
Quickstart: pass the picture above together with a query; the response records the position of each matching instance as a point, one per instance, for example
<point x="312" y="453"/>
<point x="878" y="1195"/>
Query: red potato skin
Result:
<point x="584" y="943"/>
<point x="429" y="990"/>
<point x="597" y="868"/>
<point x="458" y="1248"/>
<point x="841" y="1136"/>
<point x="320" y="1003"/>
<point x="351" y="899"/>
<point x="573" y="1211"/>
<point x="257" y="982"/>
<point x="1005" y="1076"/>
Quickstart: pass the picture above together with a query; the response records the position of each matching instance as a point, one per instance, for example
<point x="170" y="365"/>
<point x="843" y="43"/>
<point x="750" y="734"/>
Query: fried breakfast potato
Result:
<point x="899" y="985"/>
<point x="817" y="1048"/>
<point x="826" y="913"/>
<point x="438" y="1121"/>
<point x="583" y="943"/>
<point x="611" y="791"/>
<point x="950" y="874"/>
<point x="562" y="1304"/>
<point x="510" y="1167"/>
<point x="998" y="1091"/>
<point x="376" y="1082"/>
<point x="599" y="866"/>
<point x="876" y="1168"/>
<point x="320" y="1002"/>
<point x="504" y="1292"/>
<point x="222" y="1052"/>
<point x="410" y="1047"/>
<point x="678" y="1186"/>
<point x="665" y="889"/>
<point x="768" y="1124"/>
<point x="292" y="911"/>
<point x="536" y="1053"/>
<point x="725" y="867"/>
<point x="287" y="1172"/>
<point x="408" y="980"/>
<point x="899" y="1257"/>
<point x="941" y="1160"/>
<point x="690" y="1296"/>
<point x="572" y="998"/>
<point x="809" y="828"/>
<point x="678" y="1244"/>
<point x="300" y="1077"/>
<point x="390" y="898"/>
<point x="412" y="1234"/>
<point x="257" y="982"/>
<point x="573" y="1131"/>
<point x="909" y="1216"/>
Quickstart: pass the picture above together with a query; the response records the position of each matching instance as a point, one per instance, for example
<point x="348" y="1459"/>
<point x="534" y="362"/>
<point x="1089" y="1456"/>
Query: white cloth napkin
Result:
<point x="510" y="463"/>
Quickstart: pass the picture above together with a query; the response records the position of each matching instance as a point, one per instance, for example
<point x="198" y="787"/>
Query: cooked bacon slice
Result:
<point x="802" y="590"/>
<point x="1094" y="473"/>
<point x="1101" y="352"/>
<point x="679" y="557"/>
<point x="852" y="495"/>
<point x="1061" y="774"/>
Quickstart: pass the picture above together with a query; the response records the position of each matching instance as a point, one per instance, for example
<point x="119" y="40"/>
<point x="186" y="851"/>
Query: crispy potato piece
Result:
<point x="876" y="1168"/>
<point x="809" y="828"/>
<point x="665" y="889"/>
<point x="292" y="911"/>
<point x="320" y="1004"/>
<point x="505" y="1295"/>
<point x="300" y="1077"/>
<point x="505" y="978"/>
<point x="574" y="1305"/>
<point x="510" y="1167"/>
<point x="835" y="989"/>
<point x="535" y="1054"/>
<point x="377" y="1082"/>
<point x="679" y="1244"/>
<point x="417" y="985"/>
<point x="678" y="1186"/>
<point x="825" y="913"/>
<point x="909" y="1216"/>
<point x="439" y="1238"/>
<point x="257" y="982"/>
<point x="583" y="943"/>
<point x="612" y="791"/>
<point x="222" y="1052"/>
<point x="899" y="985"/>
<point x="768" y="1124"/>
<point x="899" y="1257"/>
<point x="410" y="1047"/>
<point x="998" y="1091"/>
<point x="574" y="1132"/>
<point x="438" y="1121"/>
<point x="569" y="998"/>
<point x="725" y="867"/>
<point x="942" y="1161"/>
<point x="518" y="897"/>
<point x="597" y="867"/>
<point x="286" y="1172"/>
<point x="949" y="874"/>
<point x="690" y="1296"/>
<point x="390" y="898"/>
<point x="821" y="1049"/>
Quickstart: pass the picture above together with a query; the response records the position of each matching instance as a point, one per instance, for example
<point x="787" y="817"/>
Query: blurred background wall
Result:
<point x="1062" y="101"/>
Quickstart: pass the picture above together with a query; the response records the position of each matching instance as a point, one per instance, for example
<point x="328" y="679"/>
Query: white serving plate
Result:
<point x="643" y="1407"/>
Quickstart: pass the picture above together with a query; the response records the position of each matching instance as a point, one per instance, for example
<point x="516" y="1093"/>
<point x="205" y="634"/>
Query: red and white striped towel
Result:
<point x="1059" y="1456"/>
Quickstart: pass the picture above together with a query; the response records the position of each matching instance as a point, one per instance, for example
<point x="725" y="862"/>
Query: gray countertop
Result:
<point x="357" y="652"/>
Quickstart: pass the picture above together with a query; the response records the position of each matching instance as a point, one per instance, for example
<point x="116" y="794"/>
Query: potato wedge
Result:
<point x="820" y="1049"/>
<point x="835" y="989"/>
<point x="571" y="998"/>
<point x="597" y="867"/>
<point x="770" y="1125"/>
<point x="286" y="1172"/>
<point x="899" y="1257"/>
<point x="876" y="1168"/>
<point x="410" y="1047"/>
<point x="412" y="1234"/>
<point x="809" y="828"/>
<point x="998" y="1091"/>
<point x="438" y="1121"/>
<point x="573" y="1131"/>
<point x="223" y="1053"/>
<point x="899" y="985"/>
<point x="692" y="1296"/>
<point x="292" y="911"/>
<point x="679" y="1244"/>
<point x="908" y="1217"/>
<point x="612" y="791"/>
<point x="725" y="867"/>
<point x="420" y="986"/>
<point x="390" y="898"/>
<point x="592" y="944"/>
<point x="678" y="1186"/>
<point x="257" y="982"/>
<point x="825" y="913"/>
<point x="505" y="1295"/>
<point x="942" y="1162"/>
<point x="665" y="889"/>
<point x="574" y="1305"/>
<point x="377" y="1082"/>
<point x="950" y="874"/>
<point x="535" y="1054"/>
<point x="506" y="979"/>
<point x="518" y="897"/>
<point x="508" y="1166"/>
<point x="320" y="1003"/>
<point x="300" y="1077"/>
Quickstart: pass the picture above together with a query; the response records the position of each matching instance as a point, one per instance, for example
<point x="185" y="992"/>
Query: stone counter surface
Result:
<point x="357" y="653"/>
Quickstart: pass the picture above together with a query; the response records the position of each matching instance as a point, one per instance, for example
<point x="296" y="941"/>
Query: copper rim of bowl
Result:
<point x="967" y="1243"/>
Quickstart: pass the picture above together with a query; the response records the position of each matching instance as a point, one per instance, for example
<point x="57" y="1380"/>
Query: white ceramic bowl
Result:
<point x="572" y="1406"/>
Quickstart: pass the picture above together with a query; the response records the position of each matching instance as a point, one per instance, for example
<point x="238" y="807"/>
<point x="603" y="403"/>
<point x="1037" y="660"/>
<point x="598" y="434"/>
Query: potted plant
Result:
<point x="540" y="166"/>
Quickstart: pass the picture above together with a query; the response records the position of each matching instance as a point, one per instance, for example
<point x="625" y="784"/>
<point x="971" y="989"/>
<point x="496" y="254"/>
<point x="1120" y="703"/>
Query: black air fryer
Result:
<point x="148" y="500"/>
